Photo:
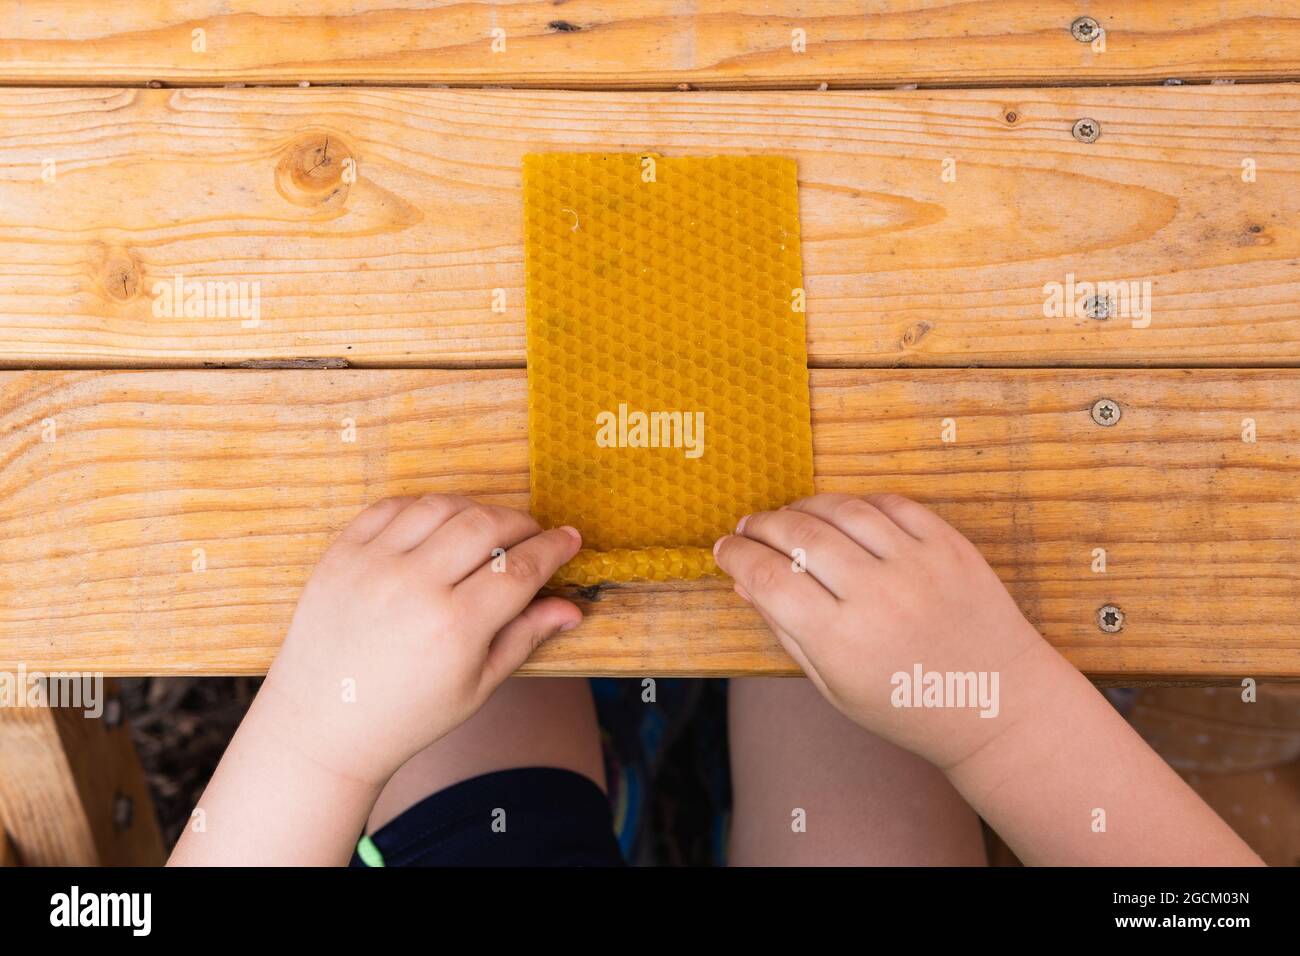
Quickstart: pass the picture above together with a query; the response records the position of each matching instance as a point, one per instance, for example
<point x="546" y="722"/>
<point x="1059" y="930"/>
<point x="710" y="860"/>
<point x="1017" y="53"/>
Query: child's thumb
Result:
<point x="515" y="642"/>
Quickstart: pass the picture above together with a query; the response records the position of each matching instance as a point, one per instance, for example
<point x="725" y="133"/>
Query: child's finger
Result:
<point x="374" y="519"/>
<point x="791" y="646"/>
<point x="863" y="522"/>
<point x="795" y="600"/>
<point x="914" y="518"/>
<point x="471" y="536"/>
<point x="824" y="551"/>
<point x="515" y="643"/>
<point x="502" y="587"/>
<point x="418" y="520"/>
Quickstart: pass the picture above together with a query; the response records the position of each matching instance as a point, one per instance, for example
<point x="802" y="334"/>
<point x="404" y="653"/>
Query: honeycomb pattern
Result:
<point x="670" y="295"/>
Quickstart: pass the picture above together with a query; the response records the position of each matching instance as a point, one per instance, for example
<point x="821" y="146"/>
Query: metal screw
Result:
<point x="123" y="812"/>
<point x="1085" y="29"/>
<point x="1106" y="411"/>
<point x="1097" y="307"/>
<point x="1087" y="130"/>
<point x="113" y="713"/>
<point x="1110" y="619"/>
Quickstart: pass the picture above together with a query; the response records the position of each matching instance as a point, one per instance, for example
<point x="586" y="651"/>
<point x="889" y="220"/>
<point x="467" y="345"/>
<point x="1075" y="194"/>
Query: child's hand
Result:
<point x="408" y="624"/>
<point x="888" y="586"/>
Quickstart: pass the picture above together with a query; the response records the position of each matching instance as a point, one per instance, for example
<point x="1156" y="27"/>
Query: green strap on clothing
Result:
<point x="369" y="853"/>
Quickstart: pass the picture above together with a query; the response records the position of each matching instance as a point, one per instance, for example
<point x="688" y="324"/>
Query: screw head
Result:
<point x="1087" y="130"/>
<point x="1110" y="619"/>
<point x="1097" y="307"/>
<point x="1085" y="29"/>
<point x="1106" y="411"/>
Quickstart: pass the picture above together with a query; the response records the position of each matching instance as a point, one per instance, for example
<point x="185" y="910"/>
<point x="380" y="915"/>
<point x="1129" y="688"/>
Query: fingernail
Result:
<point x="717" y="544"/>
<point x="570" y="626"/>
<point x="740" y="525"/>
<point x="743" y="594"/>
<point x="572" y="532"/>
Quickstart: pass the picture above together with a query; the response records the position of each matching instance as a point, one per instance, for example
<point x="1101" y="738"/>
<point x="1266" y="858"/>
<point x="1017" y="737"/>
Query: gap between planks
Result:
<point x="811" y="86"/>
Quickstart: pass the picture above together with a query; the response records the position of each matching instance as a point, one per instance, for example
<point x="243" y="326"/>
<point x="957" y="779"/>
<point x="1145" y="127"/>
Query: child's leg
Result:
<point x="864" y="801"/>
<point x="527" y="722"/>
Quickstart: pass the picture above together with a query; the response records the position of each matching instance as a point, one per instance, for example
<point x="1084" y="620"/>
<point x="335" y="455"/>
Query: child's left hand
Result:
<point x="408" y="624"/>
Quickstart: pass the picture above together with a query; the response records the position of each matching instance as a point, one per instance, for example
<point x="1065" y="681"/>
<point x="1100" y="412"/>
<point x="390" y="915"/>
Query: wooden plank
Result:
<point x="400" y="267"/>
<point x="643" y="43"/>
<point x="151" y="473"/>
<point x="73" y="792"/>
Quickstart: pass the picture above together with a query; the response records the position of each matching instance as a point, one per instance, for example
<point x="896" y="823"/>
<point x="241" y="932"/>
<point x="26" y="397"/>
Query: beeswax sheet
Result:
<point x="667" y="359"/>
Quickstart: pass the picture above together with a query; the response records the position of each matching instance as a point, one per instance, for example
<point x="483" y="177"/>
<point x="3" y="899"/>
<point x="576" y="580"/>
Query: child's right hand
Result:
<point x="413" y="617"/>
<point x="888" y="585"/>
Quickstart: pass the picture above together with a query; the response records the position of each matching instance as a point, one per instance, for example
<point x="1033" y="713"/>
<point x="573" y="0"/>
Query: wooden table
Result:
<point x="169" y="480"/>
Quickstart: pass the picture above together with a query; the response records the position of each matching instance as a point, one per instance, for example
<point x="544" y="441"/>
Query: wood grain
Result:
<point x="399" y="268"/>
<point x="62" y="773"/>
<point x="99" y="527"/>
<point x="643" y="43"/>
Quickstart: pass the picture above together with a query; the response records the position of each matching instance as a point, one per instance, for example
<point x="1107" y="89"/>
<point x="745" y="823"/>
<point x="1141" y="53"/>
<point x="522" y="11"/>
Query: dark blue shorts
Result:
<point x="530" y="816"/>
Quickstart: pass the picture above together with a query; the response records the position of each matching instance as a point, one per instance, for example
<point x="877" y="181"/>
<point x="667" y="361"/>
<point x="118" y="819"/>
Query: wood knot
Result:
<point x="1254" y="236"/>
<point x="912" y="337"/>
<point x="119" y="274"/>
<point x="315" y="169"/>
